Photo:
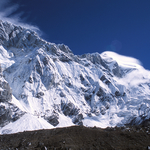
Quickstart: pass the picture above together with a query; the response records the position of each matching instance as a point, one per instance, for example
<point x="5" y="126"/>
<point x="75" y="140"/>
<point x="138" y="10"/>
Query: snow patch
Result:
<point x="26" y="123"/>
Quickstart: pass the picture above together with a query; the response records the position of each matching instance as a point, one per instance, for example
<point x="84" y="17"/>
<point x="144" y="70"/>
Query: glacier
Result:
<point x="51" y="87"/>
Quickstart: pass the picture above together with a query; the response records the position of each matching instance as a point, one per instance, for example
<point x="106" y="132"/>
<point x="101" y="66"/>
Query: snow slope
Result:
<point x="56" y="88"/>
<point x="26" y="123"/>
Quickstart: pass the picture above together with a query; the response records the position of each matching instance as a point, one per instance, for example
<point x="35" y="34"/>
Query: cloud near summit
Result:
<point x="8" y="12"/>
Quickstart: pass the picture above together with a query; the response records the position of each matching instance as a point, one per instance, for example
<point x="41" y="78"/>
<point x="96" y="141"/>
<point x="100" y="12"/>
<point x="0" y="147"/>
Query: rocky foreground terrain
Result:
<point x="79" y="138"/>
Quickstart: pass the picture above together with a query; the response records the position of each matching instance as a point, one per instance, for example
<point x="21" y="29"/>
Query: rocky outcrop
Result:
<point x="11" y="36"/>
<point x="53" y="119"/>
<point x="78" y="119"/>
<point x="8" y="111"/>
<point x="69" y="109"/>
<point x="5" y="90"/>
<point x="5" y="115"/>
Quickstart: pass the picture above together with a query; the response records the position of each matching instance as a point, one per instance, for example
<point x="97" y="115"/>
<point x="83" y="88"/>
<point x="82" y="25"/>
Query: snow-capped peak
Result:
<point x="52" y="87"/>
<point x="124" y="61"/>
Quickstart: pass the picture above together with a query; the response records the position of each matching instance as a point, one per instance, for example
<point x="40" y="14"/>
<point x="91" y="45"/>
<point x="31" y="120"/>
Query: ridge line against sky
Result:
<point x="87" y="26"/>
<point x="8" y="12"/>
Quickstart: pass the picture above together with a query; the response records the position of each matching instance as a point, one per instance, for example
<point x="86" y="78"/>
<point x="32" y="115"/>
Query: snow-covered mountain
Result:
<point x="52" y="87"/>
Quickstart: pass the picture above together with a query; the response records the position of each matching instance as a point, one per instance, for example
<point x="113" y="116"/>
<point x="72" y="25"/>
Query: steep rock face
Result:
<point x="50" y="82"/>
<point x="5" y="91"/>
<point x="8" y="111"/>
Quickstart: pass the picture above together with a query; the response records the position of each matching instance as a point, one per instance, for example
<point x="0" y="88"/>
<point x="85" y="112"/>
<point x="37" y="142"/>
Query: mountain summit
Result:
<point x="51" y="87"/>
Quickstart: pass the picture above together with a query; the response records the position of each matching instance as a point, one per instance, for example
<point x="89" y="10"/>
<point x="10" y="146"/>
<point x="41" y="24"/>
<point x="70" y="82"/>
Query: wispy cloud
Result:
<point x="8" y="13"/>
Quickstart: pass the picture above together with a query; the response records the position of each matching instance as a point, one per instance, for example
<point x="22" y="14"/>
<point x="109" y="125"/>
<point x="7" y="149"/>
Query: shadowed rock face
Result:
<point x="12" y="33"/>
<point x="8" y="112"/>
<point x="5" y="116"/>
<point x="53" y="120"/>
<point x="5" y="90"/>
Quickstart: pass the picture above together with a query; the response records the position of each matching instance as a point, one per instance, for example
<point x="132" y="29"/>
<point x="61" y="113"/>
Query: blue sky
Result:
<point x="88" y="26"/>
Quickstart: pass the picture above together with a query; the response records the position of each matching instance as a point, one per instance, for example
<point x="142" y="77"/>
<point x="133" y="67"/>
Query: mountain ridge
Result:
<point x="50" y="83"/>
